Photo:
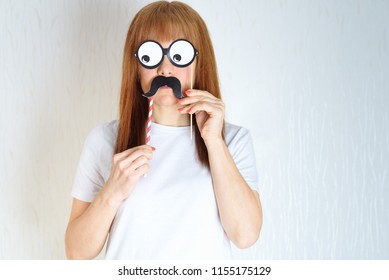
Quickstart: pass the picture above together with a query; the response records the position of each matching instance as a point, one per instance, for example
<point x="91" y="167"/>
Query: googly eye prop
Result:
<point x="180" y="53"/>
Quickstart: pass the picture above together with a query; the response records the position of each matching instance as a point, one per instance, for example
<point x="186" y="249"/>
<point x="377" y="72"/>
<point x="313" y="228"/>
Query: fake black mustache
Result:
<point x="161" y="81"/>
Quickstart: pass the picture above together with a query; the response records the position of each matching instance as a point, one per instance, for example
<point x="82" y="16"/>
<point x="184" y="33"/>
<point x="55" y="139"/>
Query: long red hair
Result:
<point x="162" y="21"/>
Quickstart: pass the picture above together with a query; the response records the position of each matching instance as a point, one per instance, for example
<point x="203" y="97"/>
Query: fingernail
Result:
<point x="188" y="92"/>
<point x="180" y="109"/>
<point x="153" y="148"/>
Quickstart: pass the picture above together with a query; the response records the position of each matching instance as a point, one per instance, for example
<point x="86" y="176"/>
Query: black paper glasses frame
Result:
<point x="180" y="53"/>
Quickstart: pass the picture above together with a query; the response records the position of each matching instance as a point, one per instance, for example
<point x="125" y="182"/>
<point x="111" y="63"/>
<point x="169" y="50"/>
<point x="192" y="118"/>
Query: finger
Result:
<point x="124" y="163"/>
<point x="139" y="153"/>
<point x="119" y="156"/>
<point x="203" y="106"/>
<point x="194" y="99"/>
<point x="142" y="170"/>
<point x="137" y="163"/>
<point x="197" y="92"/>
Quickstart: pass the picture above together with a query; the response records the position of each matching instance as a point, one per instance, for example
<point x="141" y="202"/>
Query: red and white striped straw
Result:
<point x="148" y="130"/>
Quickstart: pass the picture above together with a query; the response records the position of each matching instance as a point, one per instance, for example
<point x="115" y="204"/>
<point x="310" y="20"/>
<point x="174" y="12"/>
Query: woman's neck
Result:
<point x="169" y="116"/>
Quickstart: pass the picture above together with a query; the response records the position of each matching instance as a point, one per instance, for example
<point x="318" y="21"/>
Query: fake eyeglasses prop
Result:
<point x="180" y="53"/>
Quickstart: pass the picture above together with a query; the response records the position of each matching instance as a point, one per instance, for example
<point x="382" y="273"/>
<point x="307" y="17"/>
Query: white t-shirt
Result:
<point x="172" y="213"/>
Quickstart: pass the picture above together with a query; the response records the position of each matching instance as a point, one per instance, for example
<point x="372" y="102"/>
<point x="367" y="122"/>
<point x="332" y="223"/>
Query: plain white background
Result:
<point x="309" y="79"/>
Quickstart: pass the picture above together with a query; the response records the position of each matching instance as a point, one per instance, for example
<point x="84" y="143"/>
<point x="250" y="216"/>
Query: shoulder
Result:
<point x="240" y="145"/>
<point x="95" y="161"/>
<point x="102" y="137"/>
<point x="105" y="132"/>
<point x="235" y="133"/>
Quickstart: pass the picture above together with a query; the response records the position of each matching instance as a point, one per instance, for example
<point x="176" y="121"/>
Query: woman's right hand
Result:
<point x="127" y="168"/>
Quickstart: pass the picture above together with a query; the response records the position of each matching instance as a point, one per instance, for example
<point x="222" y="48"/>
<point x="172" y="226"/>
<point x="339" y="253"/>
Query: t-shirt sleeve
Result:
<point x="89" y="180"/>
<point x="242" y="151"/>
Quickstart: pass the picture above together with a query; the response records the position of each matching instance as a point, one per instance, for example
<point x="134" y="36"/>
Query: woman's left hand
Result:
<point x="209" y="112"/>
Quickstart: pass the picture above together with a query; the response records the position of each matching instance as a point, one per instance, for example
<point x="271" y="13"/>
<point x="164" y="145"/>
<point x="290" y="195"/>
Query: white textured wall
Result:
<point x="308" y="78"/>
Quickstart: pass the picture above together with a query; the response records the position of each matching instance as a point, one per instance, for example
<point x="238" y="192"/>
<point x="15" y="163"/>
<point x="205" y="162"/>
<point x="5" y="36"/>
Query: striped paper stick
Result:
<point x="148" y="130"/>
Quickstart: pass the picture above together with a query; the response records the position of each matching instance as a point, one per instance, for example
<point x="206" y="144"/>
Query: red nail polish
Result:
<point x="188" y="92"/>
<point x="180" y="109"/>
<point x="153" y="148"/>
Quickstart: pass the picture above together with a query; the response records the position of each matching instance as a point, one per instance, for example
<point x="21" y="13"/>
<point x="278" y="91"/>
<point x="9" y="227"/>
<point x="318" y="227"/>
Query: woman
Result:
<point x="176" y="198"/>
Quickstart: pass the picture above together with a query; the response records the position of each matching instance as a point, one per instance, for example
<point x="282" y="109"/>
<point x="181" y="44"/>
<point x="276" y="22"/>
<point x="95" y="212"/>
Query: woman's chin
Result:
<point x="165" y="98"/>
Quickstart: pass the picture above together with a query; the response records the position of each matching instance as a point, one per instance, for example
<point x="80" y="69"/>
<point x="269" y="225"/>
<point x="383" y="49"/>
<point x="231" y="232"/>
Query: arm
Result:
<point x="88" y="226"/>
<point x="239" y="206"/>
<point x="89" y="223"/>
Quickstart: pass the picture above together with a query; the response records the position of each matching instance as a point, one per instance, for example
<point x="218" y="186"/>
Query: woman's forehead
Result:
<point x="164" y="31"/>
<point x="160" y="38"/>
<point x="166" y="41"/>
